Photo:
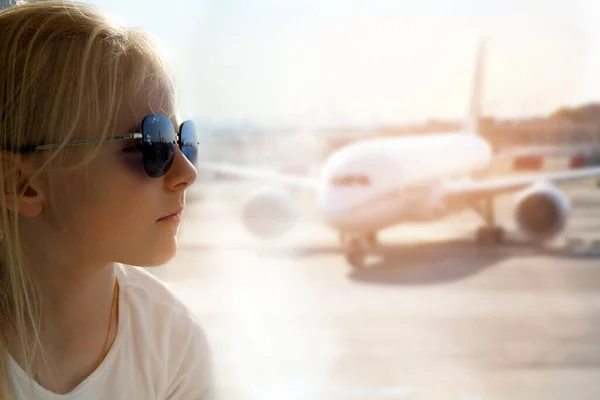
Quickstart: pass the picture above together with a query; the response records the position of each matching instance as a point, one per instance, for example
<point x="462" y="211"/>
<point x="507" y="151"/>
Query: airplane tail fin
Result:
<point x="474" y="112"/>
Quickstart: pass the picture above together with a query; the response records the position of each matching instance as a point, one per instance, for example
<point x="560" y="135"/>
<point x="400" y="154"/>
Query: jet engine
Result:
<point x="541" y="211"/>
<point x="269" y="212"/>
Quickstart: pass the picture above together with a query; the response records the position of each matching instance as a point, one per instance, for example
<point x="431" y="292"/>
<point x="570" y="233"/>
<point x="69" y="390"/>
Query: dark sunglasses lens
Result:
<point x="189" y="142"/>
<point x="158" y="144"/>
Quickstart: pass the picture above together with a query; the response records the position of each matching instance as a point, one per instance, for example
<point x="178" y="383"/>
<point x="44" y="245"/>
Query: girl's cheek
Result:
<point x="134" y="164"/>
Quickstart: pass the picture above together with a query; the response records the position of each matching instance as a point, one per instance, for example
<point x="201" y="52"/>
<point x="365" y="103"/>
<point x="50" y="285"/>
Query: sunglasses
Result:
<point x="157" y="143"/>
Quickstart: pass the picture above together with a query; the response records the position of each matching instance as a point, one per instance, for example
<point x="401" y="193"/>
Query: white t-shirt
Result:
<point x="160" y="350"/>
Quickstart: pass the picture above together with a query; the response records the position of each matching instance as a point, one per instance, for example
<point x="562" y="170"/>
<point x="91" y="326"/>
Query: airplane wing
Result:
<point x="495" y="186"/>
<point x="260" y="174"/>
<point x="549" y="150"/>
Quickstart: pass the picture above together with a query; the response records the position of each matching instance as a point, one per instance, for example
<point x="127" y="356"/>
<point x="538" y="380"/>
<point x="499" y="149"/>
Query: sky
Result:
<point x="320" y="62"/>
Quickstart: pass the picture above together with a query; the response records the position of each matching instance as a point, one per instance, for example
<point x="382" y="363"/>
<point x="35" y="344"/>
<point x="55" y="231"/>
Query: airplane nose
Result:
<point x="329" y="206"/>
<point x="332" y="213"/>
<point x="335" y="206"/>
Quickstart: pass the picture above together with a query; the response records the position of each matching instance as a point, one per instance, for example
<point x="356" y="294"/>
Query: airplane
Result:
<point x="366" y="187"/>
<point x="532" y="157"/>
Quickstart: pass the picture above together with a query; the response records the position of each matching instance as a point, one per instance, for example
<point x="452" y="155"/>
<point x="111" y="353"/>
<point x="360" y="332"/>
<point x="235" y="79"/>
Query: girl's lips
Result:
<point x="175" y="217"/>
<point x="171" y="218"/>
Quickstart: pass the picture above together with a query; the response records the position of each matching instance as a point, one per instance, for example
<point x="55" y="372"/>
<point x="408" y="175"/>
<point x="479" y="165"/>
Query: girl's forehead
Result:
<point x="153" y="101"/>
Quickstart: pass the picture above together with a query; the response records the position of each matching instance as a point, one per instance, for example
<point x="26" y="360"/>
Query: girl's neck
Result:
<point x="77" y="311"/>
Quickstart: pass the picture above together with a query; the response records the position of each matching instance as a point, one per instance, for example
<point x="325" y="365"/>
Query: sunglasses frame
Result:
<point x="41" y="147"/>
<point x="130" y="136"/>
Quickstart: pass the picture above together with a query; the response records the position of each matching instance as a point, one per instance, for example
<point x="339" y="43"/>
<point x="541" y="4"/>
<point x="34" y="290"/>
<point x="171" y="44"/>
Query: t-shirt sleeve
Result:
<point x="192" y="377"/>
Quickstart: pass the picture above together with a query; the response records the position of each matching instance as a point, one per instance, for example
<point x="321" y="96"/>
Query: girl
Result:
<point x="93" y="170"/>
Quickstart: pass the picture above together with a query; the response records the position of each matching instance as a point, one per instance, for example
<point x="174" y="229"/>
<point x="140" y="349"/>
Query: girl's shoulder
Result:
<point x="138" y="281"/>
<point x="149" y="300"/>
<point x="165" y="328"/>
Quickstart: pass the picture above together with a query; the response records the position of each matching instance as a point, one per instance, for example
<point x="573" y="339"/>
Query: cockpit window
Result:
<point x="350" y="180"/>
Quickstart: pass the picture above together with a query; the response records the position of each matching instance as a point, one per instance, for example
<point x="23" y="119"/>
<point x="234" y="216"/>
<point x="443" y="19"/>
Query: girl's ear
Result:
<point x="22" y="194"/>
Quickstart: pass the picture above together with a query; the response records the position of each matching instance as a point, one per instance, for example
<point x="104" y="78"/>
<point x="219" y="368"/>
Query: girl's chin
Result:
<point x="155" y="256"/>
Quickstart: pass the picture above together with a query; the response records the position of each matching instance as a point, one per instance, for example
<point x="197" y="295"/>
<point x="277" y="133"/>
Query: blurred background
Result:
<point x="310" y="75"/>
<point x="283" y="85"/>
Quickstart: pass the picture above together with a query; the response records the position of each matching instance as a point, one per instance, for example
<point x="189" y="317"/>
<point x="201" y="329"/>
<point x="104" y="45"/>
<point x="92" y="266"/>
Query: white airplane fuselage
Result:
<point x="369" y="186"/>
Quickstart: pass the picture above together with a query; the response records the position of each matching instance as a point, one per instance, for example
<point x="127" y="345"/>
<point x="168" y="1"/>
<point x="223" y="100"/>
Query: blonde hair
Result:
<point x="66" y="70"/>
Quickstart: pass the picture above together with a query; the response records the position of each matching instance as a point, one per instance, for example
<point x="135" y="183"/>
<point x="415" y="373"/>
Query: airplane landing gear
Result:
<point x="371" y="239"/>
<point x="355" y="247"/>
<point x="490" y="233"/>
<point x="355" y="254"/>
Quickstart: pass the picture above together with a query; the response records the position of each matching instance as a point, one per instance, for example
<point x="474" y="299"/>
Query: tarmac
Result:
<point x="432" y="317"/>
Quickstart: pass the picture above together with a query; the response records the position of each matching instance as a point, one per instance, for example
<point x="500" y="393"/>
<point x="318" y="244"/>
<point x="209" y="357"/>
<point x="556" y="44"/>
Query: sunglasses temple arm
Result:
<point x="88" y="141"/>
